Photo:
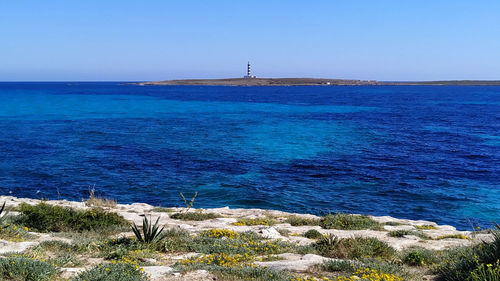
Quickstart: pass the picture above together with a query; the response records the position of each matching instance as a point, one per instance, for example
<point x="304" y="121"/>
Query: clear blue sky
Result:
<point x="122" y="40"/>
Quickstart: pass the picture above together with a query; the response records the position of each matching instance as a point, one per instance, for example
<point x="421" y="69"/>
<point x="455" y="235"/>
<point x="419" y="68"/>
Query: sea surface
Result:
<point x="416" y="152"/>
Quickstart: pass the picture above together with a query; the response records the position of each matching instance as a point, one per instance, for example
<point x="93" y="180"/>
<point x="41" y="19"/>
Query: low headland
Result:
<point x="313" y="82"/>
<point x="98" y="239"/>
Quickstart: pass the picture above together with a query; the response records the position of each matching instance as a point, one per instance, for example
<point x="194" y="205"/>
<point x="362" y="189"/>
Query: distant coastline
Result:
<point x="313" y="82"/>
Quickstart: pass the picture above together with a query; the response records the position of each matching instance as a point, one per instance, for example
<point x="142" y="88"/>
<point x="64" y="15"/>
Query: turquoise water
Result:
<point x="419" y="152"/>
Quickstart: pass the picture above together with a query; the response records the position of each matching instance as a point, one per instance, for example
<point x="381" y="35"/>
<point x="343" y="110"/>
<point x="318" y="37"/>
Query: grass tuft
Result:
<point x="452" y="236"/>
<point x="256" y="221"/>
<point x="113" y="272"/>
<point x="301" y="221"/>
<point x="47" y="218"/>
<point x="313" y="234"/>
<point x="194" y="216"/>
<point x="425" y="227"/>
<point x="348" y="222"/>
<point x="353" y="248"/>
<point x="25" y="269"/>
<point x="402" y="233"/>
<point x="473" y="263"/>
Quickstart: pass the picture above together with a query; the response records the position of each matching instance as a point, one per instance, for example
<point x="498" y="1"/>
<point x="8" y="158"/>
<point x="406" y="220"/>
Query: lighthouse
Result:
<point x="249" y="72"/>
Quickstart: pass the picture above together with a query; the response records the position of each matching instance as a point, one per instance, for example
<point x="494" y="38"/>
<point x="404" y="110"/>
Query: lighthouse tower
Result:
<point x="249" y="72"/>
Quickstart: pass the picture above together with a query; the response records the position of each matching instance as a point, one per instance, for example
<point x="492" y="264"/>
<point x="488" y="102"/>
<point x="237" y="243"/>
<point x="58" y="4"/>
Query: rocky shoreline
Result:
<point x="434" y="236"/>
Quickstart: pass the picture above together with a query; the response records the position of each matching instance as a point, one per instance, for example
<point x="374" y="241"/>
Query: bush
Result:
<point x="348" y="222"/>
<point x="313" y="234"/>
<point x="470" y="262"/>
<point x="300" y="221"/>
<point x="419" y="257"/>
<point x="112" y="272"/>
<point x="24" y="269"/>
<point x="353" y="248"/>
<point x="47" y="218"/>
<point x="339" y="265"/>
<point x="194" y="216"/>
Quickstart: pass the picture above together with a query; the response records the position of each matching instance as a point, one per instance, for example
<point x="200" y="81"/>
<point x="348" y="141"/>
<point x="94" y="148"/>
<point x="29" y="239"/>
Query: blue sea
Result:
<point x="416" y="152"/>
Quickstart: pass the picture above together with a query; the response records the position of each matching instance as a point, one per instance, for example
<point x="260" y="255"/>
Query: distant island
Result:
<point x="312" y="82"/>
<point x="251" y="80"/>
<point x="262" y="82"/>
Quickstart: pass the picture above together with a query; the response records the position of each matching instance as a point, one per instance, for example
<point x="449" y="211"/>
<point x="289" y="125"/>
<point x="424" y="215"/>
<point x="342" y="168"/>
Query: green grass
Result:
<point x="24" y="269"/>
<point x="464" y="263"/>
<point x="112" y="272"/>
<point x="15" y="233"/>
<point x="392" y="223"/>
<point x="57" y="253"/>
<point x="300" y="221"/>
<point x="339" y="266"/>
<point x="256" y="221"/>
<point x="47" y="218"/>
<point x="425" y="227"/>
<point x="194" y="216"/>
<point x="284" y="232"/>
<point x="452" y="236"/>
<point x="313" y="234"/>
<point x="240" y="273"/>
<point x="246" y="243"/>
<point x="354" y="248"/>
<point x="402" y="233"/>
<point x="420" y="257"/>
<point x="349" y="222"/>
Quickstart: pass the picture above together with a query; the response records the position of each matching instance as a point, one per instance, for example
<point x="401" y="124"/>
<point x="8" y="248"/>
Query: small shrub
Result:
<point x="338" y="265"/>
<point x="24" y="269"/>
<point x="112" y="272"/>
<point x="300" y="221"/>
<point x="414" y="258"/>
<point x="15" y="233"/>
<point x="425" y="227"/>
<point x="353" y="248"/>
<point x="256" y="221"/>
<point x="194" y="216"/>
<point x="220" y="233"/>
<point x="313" y="234"/>
<point x="419" y="257"/>
<point x="452" y="236"/>
<point x="348" y="222"/>
<point x="284" y="232"/>
<point x="94" y="201"/>
<point x="220" y="259"/>
<point x="47" y="218"/>
<point x="151" y="233"/>
<point x="372" y="274"/>
<point x="462" y="263"/>
<point x="402" y="233"/>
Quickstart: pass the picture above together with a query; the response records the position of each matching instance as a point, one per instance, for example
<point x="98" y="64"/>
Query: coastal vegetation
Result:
<point x="48" y="218"/>
<point x="106" y="246"/>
